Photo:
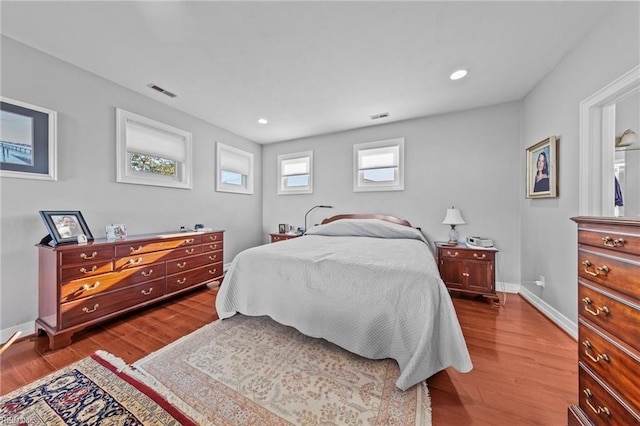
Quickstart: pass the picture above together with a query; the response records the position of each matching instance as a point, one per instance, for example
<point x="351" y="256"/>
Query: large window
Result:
<point x="152" y="153"/>
<point x="379" y="166"/>
<point x="234" y="170"/>
<point x="295" y="173"/>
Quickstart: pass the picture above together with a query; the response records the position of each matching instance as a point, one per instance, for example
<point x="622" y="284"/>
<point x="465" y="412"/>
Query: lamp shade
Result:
<point x="453" y="217"/>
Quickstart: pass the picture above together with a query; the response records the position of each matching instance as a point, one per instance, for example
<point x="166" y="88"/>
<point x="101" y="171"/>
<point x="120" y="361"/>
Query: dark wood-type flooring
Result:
<point x="525" y="368"/>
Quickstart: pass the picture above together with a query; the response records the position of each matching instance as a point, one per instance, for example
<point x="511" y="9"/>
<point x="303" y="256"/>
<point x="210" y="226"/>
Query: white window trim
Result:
<point x="123" y="172"/>
<point x="247" y="187"/>
<point x="291" y="191"/>
<point x="359" y="185"/>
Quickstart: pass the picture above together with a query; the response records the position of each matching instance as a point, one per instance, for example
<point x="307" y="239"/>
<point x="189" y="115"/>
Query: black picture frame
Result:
<point x="27" y="141"/>
<point x="58" y="223"/>
<point x="282" y="228"/>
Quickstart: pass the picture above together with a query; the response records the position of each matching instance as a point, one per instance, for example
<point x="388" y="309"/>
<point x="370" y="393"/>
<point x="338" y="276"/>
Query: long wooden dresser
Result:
<point x="82" y="285"/>
<point x="608" y="322"/>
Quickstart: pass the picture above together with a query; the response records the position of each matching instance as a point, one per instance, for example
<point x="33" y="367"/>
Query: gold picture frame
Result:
<point x="542" y="169"/>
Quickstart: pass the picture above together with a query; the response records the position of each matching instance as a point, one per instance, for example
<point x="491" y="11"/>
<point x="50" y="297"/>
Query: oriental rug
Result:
<point x="89" y="392"/>
<point x="254" y="371"/>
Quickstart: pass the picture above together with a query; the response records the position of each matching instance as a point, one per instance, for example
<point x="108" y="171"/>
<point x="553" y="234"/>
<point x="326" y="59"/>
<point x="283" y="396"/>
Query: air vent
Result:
<point x="378" y="116"/>
<point x="161" y="90"/>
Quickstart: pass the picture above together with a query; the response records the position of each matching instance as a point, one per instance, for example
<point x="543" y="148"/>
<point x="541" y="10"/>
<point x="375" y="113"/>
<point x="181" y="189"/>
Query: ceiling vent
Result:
<point x="378" y="116"/>
<point x="161" y="90"/>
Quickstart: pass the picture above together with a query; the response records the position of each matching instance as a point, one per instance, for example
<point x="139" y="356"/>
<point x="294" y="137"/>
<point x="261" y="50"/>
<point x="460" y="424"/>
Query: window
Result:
<point x="152" y="153"/>
<point x="379" y="166"/>
<point x="234" y="170"/>
<point x="295" y="173"/>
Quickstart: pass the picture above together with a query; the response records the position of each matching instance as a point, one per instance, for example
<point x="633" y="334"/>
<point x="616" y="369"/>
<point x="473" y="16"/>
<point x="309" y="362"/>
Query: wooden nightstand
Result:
<point x="468" y="269"/>
<point x="282" y="237"/>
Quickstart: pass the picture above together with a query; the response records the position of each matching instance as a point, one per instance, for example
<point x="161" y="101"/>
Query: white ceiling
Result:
<point x="309" y="67"/>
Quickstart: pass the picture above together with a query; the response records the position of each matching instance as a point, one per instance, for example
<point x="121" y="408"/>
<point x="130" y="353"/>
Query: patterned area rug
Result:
<point x="88" y="392"/>
<point x="254" y="371"/>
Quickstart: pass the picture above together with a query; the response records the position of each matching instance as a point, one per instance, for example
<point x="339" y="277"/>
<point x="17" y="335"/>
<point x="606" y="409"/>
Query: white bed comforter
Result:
<point x="369" y="286"/>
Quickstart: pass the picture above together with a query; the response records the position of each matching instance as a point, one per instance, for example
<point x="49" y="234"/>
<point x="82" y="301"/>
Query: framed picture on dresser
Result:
<point x="542" y="169"/>
<point x="65" y="226"/>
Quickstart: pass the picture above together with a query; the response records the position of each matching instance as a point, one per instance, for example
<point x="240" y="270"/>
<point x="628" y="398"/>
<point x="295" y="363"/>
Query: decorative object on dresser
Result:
<point x="453" y="218"/>
<point x="83" y="285"/>
<point x="468" y="269"/>
<point x="282" y="237"/>
<point x="608" y="322"/>
<point x="65" y="227"/>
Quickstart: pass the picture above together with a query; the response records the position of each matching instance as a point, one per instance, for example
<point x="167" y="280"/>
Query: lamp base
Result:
<point x="453" y="235"/>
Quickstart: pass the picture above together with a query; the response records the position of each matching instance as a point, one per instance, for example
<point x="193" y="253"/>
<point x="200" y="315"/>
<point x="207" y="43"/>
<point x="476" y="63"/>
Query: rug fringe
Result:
<point x="139" y="375"/>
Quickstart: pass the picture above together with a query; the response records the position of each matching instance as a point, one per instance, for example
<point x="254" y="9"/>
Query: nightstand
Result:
<point x="282" y="237"/>
<point x="468" y="269"/>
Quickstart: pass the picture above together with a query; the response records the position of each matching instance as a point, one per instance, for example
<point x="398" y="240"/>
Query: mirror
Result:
<point x="627" y="159"/>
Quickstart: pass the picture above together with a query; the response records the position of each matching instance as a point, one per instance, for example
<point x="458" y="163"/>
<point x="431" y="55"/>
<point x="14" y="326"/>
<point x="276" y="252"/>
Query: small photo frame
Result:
<point x="28" y="141"/>
<point x="542" y="169"/>
<point x="65" y="226"/>
<point x="282" y="228"/>
<point x="116" y="232"/>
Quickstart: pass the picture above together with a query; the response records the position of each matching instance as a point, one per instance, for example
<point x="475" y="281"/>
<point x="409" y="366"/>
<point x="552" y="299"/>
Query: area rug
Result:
<point x="254" y="371"/>
<point x="89" y="392"/>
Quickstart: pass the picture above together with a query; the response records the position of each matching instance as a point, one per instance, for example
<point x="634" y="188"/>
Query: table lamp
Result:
<point x="453" y="218"/>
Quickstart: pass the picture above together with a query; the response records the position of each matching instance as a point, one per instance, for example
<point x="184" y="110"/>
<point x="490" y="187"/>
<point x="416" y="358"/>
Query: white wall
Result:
<point x="468" y="159"/>
<point x="552" y="108"/>
<point x="86" y="175"/>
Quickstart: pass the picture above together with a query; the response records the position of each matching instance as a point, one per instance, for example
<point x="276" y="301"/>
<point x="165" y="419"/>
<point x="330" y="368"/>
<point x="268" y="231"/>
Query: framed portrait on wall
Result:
<point x="27" y="141"/>
<point x="542" y="169"/>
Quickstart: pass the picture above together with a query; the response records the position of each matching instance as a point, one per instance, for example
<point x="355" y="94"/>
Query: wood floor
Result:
<point x="525" y="368"/>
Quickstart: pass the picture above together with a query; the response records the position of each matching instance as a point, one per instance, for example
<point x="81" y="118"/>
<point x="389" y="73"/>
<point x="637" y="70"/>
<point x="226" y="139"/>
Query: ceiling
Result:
<point x="309" y="67"/>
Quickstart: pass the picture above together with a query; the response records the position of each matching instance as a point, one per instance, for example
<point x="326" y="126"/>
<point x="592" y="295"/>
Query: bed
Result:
<point x="367" y="283"/>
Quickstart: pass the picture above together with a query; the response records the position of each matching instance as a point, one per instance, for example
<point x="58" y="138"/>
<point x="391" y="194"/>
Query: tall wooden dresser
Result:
<point x="608" y="322"/>
<point x="82" y="285"/>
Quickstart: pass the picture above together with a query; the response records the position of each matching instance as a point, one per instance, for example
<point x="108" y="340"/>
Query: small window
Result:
<point x="379" y="166"/>
<point x="234" y="170"/>
<point x="295" y="173"/>
<point x="152" y="153"/>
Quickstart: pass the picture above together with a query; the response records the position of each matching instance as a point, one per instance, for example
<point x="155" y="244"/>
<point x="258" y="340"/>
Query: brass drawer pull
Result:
<point x="588" y="302"/>
<point x="189" y="251"/>
<point x="133" y="249"/>
<point x="147" y="292"/>
<point x="454" y="254"/>
<point x="598" y="410"/>
<point x="215" y="246"/>
<point x="214" y="271"/>
<point x="88" y="311"/>
<point x="182" y="281"/>
<point x="214" y="257"/>
<point x="88" y="287"/>
<point x="597" y="270"/>
<point x="465" y="274"/>
<point x="598" y="357"/>
<point x="189" y="241"/>
<point x="610" y="242"/>
<point x="87" y="271"/>
<point x="181" y="265"/>
<point x="477" y="256"/>
<point x="147" y="274"/>
<point x="213" y="237"/>
<point x="85" y="257"/>
<point x="135" y="262"/>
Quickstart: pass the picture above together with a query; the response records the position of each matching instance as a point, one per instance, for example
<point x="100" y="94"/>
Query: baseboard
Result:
<point x="25" y="329"/>
<point x="550" y="312"/>
<point x="507" y="287"/>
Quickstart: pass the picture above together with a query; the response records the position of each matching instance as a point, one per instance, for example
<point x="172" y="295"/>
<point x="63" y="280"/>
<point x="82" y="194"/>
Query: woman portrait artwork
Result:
<point x="541" y="182"/>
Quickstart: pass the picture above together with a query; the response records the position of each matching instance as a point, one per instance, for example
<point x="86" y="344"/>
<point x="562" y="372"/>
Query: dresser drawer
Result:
<point x="186" y="263"/>
<point x="610" y="311"/>
<point x="611" y="360"/>
<point x="600" y="406"/>
<point x="193" y="277"/>
<point x="212" y="238"/>
<point x="140" y="247"/>
<point x="90" y="308"/>
<point x="466" y="254"/>
<point x="87" y="254"/>
<point x="613" y="238"/>
<point x="95" y="267"/>
<point x="213" y="246"/>
<point x="81" y="288"/>
<point x="618" y="271"/>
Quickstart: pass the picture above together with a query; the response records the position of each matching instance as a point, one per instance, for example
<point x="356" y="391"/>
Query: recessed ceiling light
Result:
<point x="262" y="121"/>
<point x="458" y="74"/>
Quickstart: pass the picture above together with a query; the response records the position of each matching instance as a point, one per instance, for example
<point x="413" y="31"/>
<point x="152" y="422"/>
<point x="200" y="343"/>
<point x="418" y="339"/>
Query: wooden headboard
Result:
<point x="388" y="218"/>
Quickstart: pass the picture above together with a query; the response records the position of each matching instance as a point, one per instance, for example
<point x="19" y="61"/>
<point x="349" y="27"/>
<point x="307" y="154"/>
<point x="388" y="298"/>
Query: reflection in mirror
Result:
<point x="627" y="157"/>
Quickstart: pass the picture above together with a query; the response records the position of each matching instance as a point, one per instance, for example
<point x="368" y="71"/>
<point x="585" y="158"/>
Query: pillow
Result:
<point x="376" y="228"/>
